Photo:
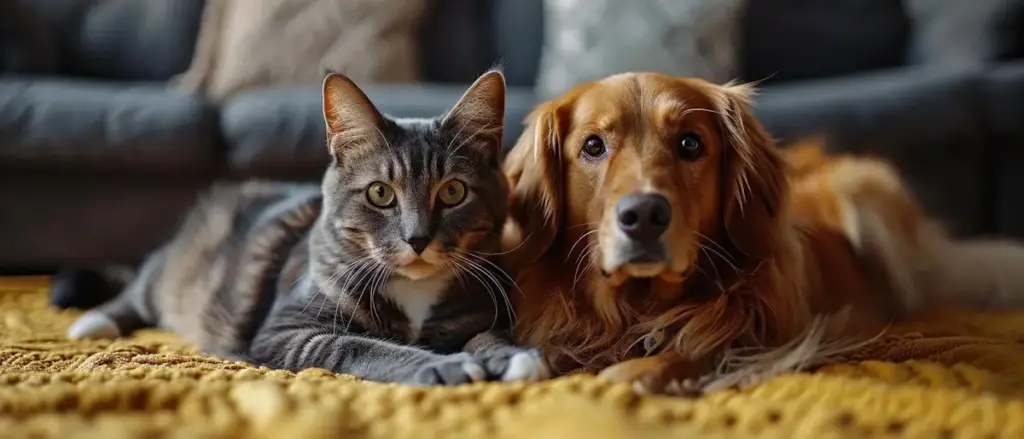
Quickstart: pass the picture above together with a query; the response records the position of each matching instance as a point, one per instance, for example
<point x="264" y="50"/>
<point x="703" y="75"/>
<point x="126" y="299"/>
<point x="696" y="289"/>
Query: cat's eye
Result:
<point x="452" y="193"/>
<point x="380" y="195"/>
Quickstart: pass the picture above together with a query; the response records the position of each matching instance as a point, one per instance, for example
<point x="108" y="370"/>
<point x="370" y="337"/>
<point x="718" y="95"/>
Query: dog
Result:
<point x="659" y="238"/>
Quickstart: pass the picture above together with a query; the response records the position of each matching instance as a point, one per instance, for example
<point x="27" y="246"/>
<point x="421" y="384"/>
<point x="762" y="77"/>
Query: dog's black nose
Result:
<point x="418" y="243"/>
<point x="643" y="217"/>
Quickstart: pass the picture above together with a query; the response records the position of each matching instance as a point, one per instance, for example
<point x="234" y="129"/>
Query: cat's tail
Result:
<point x="126" y="307"/>
<point x="86" y="288"/>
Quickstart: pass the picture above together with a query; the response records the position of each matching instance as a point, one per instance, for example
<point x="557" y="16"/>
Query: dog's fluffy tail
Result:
<point x="923" y="265"/>
<point x="817" y="346"/>
<point x="977" y="273"/>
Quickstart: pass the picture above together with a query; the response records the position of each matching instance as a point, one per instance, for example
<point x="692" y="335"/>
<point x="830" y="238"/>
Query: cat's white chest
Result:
<point x="416" y="298"/>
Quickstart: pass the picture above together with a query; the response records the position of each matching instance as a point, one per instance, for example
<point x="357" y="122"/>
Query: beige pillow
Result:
<point x="245" y="44"/>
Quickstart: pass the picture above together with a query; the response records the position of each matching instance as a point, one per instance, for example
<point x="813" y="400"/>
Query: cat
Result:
<point x="382" y="272"/>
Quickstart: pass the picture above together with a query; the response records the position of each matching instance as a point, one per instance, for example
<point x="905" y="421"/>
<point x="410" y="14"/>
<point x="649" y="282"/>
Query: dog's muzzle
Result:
<point x="643" y="219"/>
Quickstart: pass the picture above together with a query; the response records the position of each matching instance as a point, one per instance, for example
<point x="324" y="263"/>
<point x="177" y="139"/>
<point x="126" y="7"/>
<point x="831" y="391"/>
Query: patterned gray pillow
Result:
<point x="589" y="39"/>
<point x="965" y="31"/>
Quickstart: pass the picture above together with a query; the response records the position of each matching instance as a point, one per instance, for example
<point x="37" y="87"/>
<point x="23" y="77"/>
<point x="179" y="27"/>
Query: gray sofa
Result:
<point x="99" y="157"/>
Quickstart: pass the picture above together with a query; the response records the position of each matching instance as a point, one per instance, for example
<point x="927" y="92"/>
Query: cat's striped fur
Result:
<point x="293" y="276"/>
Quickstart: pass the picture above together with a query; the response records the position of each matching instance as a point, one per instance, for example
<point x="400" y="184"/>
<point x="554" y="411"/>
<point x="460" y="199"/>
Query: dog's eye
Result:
<point x="690" y="147"/>
<point x="594" y="147"/>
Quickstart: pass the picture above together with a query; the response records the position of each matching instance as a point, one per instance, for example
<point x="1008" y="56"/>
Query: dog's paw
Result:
<point x="93" y="324"/>
<point x="654" y="375"/>
<point x="516" y="364"/>
<point x="451" y="370"/>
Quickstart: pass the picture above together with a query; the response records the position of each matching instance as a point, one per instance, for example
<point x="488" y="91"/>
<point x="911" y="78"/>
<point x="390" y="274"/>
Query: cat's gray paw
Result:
<point x="451" y="370"/>
<point x="516" y="364"/>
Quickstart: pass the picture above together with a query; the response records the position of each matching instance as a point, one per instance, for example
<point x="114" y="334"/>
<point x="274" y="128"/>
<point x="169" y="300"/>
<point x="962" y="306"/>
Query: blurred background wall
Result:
<point x="113" y="113"/>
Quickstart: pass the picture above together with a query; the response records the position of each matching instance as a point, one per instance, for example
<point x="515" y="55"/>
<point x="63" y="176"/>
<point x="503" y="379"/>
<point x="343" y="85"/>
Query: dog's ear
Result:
<point x="754" y="185"/>
<point x="534" y="170"/>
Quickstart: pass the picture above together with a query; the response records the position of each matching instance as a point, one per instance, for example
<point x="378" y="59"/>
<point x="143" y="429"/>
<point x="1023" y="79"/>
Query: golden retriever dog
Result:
<point x="659" y="237"/>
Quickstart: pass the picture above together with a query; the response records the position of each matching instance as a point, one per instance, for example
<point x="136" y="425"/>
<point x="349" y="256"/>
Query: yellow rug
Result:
<point x="961" y="381"/>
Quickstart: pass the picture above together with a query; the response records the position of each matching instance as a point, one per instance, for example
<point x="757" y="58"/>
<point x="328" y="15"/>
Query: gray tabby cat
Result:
<point x="383" y="272"/>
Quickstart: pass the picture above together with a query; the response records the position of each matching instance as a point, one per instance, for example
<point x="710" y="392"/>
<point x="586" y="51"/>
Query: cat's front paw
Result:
<point x="516" y="364"/>
<point x="451" y="370"/>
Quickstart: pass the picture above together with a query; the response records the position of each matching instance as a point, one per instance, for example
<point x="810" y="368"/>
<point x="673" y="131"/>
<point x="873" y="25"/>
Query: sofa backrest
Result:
<point x="155" y="39"/>
<point x="787" y="40"/>
<point x="782" y="39"/>
<point x="121" y="39"/>
<point x="462" y="38"/>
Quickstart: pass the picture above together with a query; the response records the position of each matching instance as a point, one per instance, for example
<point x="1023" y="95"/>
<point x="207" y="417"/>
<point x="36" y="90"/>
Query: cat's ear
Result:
<point x="480" y="113"/>
<point x="350" y="116"/>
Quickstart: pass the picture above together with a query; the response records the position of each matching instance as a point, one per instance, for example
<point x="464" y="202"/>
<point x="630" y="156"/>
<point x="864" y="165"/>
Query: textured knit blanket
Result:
<point x="959" y="376"/>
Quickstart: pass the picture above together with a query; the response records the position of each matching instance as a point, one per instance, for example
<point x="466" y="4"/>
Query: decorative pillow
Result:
<point x="965" y="31"/>
<point x="589" y="39"/>
<point x="246" y="44"/>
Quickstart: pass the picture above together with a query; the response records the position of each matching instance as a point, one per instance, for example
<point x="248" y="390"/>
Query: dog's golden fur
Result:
<point x="760" y="244"/>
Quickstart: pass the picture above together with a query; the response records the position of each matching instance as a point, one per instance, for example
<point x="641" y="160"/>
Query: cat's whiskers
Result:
<point x="374" y="277"/>
<point x="461" y="265"/>
<point x="481" y="273"/>
<point x="481" y="257"/>
<point x="377" y="286"/>
<point x="497" y="283"/>
<point x="353" y="277"/>
<point x="357" y="279"/>
<point x="330" y="281"/>
<point x="507" y="251"/>
<point x="452" y="266"/>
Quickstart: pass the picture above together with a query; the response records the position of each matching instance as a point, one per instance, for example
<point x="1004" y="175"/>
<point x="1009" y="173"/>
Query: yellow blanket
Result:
<point x="937" y="385"/>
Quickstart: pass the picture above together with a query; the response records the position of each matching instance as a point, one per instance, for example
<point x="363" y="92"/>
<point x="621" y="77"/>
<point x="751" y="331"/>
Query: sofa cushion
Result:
<point x="118" y="39"/>
<point x="280" y="132"/>
<point x="893" y="106"/>
<point x="787" y="40"/>
<point x="73" y="220"/>
<point x="927" y="121"/>
<point x="87" y="126"/>
<point x="1003" y="98"/>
